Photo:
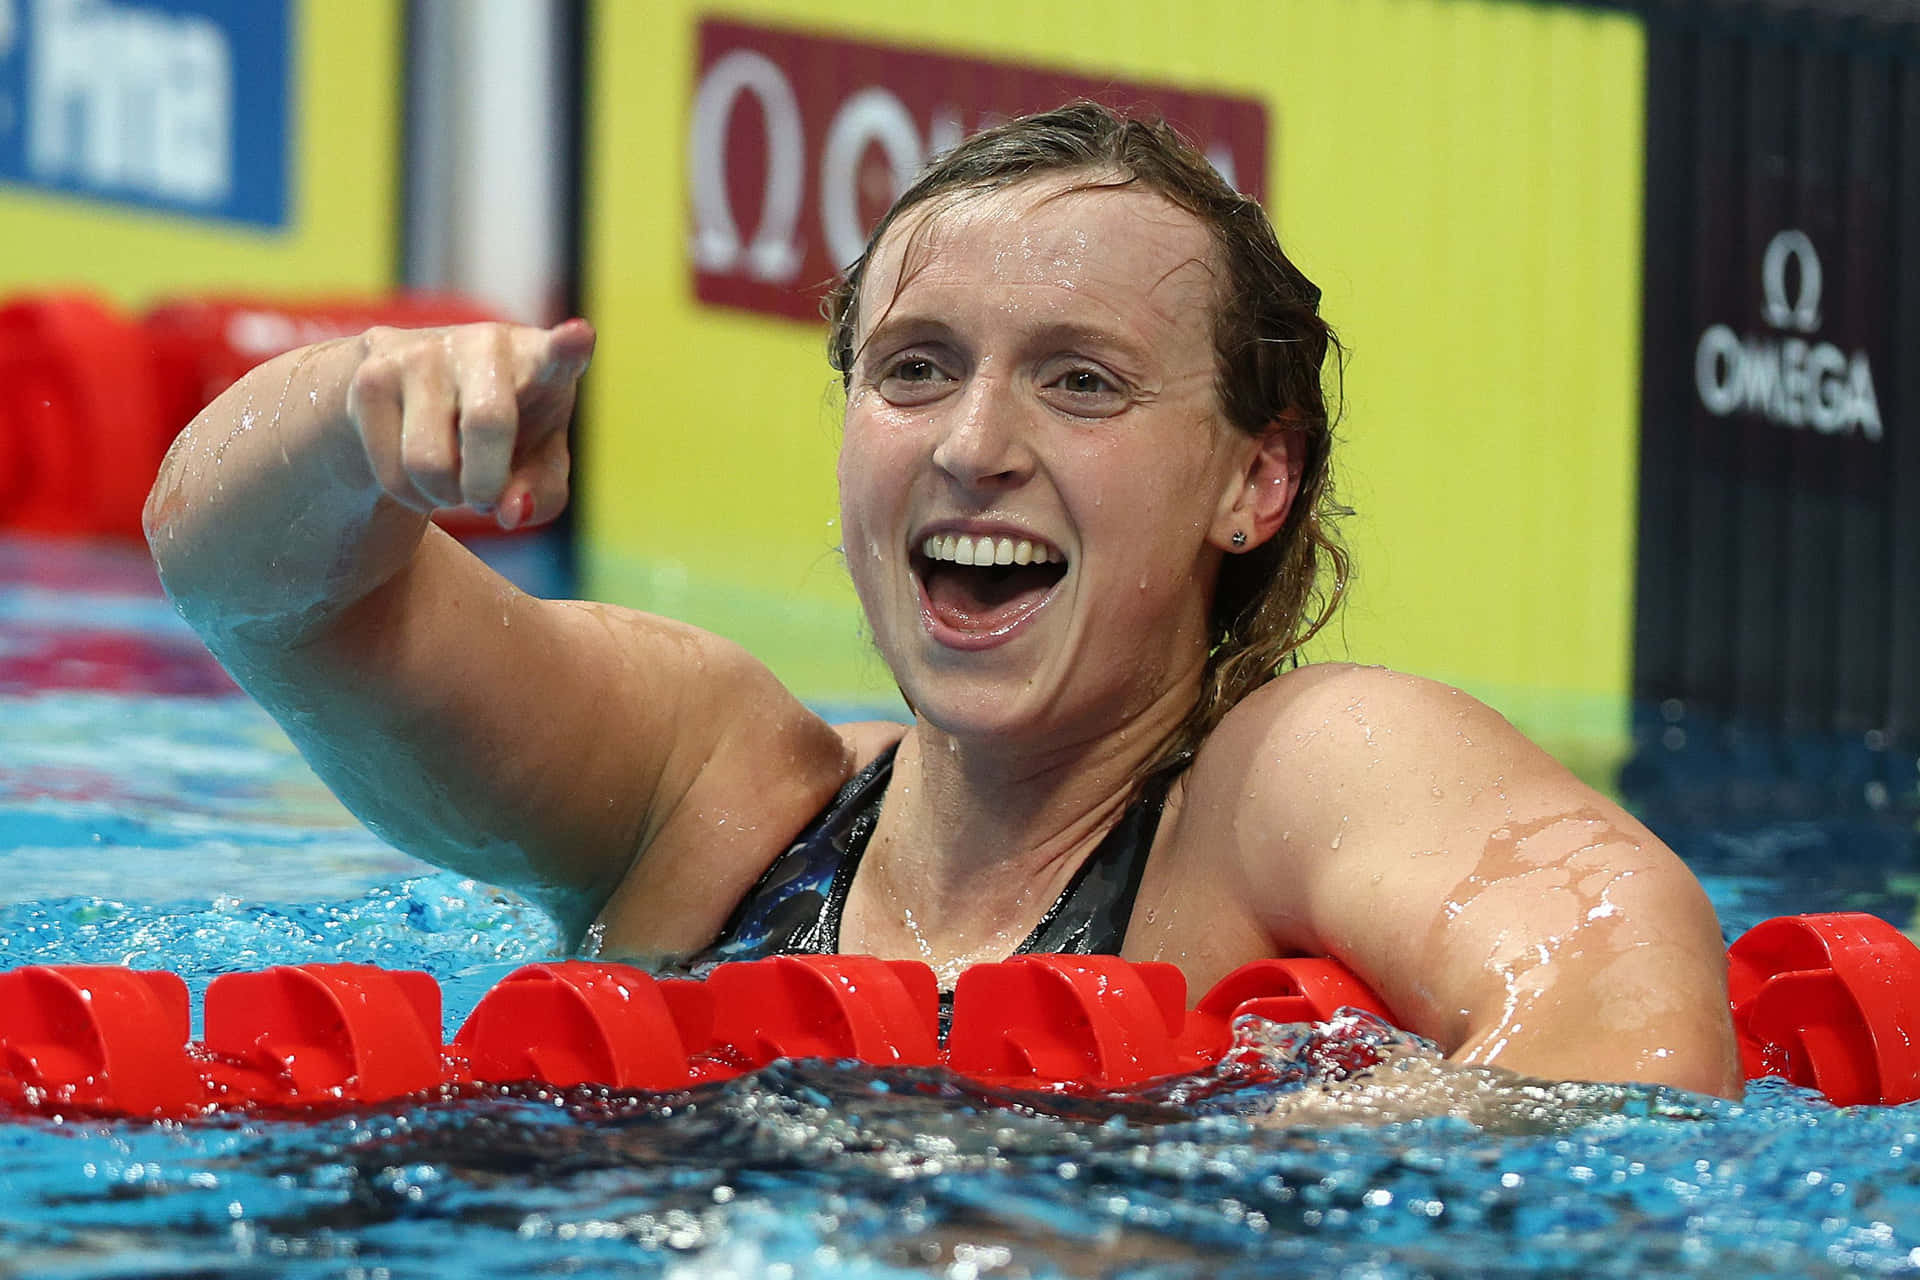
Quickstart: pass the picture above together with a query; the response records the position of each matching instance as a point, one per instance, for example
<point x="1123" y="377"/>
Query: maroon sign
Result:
<point x="800" y="142"/>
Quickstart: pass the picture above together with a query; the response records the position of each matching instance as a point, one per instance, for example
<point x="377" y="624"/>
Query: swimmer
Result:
<point x="1085" y="497"/>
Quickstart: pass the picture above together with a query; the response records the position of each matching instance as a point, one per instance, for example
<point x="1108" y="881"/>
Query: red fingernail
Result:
<point x="516" y="511"/>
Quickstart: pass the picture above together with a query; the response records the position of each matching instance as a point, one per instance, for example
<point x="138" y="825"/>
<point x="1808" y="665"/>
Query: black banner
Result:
<point x="1779" y="540"/>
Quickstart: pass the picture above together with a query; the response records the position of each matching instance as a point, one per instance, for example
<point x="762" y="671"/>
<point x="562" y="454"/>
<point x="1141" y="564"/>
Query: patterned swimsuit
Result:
<point x="796" y="906"/>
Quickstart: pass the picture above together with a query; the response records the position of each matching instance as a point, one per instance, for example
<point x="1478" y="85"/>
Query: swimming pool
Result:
<point x="151" y="815"/>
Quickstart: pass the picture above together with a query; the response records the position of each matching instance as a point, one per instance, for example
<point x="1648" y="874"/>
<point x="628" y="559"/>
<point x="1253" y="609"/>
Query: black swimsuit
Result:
<point x="797" y="904"/>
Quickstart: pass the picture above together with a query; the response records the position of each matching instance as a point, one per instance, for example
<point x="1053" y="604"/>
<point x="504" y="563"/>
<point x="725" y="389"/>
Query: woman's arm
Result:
<point x="1498" y="905"/>
<point x="533" y="743"/>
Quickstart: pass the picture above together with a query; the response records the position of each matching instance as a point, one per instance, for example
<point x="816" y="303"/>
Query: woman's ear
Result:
<point x="1256" y="505"/>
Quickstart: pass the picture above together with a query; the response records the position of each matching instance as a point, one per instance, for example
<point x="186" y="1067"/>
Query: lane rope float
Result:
<point x="1830" y="1002"/>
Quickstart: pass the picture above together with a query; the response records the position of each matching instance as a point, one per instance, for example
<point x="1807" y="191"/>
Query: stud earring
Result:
<point x="1239" y="537"/>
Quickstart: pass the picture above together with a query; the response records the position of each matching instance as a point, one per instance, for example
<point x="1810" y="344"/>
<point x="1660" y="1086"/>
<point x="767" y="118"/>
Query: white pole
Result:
<point x="486" y="154"/>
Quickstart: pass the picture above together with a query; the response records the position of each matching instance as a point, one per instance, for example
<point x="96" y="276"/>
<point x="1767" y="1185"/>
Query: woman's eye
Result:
<point x="1087" y="391"/>
<point x="911" y="380"/>
<point x="912" y="374"/>
<point x="1085" y="382"/>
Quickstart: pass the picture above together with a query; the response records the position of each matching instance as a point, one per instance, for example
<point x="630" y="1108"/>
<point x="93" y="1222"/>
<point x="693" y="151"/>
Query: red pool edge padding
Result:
<point x="91" y="396"/>
<point x="1827" y="1001"/>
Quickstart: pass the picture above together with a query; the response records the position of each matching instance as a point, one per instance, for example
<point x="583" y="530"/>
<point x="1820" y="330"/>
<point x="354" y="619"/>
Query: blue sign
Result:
<point x="178" y="105"/>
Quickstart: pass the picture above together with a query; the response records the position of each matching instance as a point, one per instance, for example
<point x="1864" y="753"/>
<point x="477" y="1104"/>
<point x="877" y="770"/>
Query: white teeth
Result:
<point x="965" y="549"/>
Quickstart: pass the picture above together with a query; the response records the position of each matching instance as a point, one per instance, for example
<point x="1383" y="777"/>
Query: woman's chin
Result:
<point x="981" y="715"/>
<point x="1014" y="700"/>
<point x="1005" y="707"/>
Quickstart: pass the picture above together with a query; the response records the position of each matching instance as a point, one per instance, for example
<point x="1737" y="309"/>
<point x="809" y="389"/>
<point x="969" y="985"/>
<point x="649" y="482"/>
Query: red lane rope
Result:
<point x="1827" y="1001"/>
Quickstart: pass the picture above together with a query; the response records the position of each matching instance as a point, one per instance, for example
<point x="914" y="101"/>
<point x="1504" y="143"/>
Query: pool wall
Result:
<point x="1626" y="289"/>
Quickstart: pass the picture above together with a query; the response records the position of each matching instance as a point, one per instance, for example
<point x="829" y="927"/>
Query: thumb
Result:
<point x="538" y="489"/>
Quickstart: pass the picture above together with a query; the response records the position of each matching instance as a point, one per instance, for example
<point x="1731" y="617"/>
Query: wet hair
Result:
<point x="1270" y="346"/>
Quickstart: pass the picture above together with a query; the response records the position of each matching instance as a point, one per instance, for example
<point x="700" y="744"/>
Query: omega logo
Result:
<point x="1804" y="314"/>
<point x="1790" y="381"/>
<point x="872" y="116"/>
<point x="772" y="255"/>
<point x="798" y="140"/>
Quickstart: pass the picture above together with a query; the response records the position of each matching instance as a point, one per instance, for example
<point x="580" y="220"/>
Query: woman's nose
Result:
<point x="984" y="439"/>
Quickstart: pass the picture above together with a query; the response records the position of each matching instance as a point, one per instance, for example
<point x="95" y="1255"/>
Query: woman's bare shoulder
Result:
<point x="1327" y="706"/>
<point x="1495" y="901"/>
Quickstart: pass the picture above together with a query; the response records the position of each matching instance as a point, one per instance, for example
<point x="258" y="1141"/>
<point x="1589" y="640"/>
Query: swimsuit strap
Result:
<point x="797" y="905"/>
<point x="1090" y="916"/>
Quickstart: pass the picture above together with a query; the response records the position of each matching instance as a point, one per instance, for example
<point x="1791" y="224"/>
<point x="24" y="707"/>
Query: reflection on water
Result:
<point x="1777" y="824"/>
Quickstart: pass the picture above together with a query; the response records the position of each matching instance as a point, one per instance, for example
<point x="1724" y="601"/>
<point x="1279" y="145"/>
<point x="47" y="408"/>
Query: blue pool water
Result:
<point x="150" y="815"/>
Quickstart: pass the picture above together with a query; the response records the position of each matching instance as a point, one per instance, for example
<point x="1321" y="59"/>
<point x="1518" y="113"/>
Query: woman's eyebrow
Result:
<point x="1074" y="335"/>
<point x="904" y="327"/>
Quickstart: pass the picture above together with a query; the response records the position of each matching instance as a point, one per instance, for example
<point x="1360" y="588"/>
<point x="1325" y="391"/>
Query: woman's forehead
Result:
<point x="1057" y="234"/>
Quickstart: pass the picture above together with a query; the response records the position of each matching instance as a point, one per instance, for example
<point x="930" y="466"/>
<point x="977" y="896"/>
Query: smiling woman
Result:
<point x="1082" y="484"/>
<point x="1268" y="340"/>
<point x="1018" y="382"/>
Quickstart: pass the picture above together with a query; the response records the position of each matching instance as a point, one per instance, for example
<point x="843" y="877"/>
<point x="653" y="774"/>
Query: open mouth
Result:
<point x="983" y="585"/>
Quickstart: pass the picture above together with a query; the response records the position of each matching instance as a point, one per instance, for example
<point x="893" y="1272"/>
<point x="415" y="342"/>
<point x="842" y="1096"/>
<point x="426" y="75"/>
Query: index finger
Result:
<point x="569" y="350"/>
<point x="553" y="360"/>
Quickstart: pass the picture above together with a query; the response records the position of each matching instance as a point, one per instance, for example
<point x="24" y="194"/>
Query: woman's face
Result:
<point x="1035" y="468"/>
